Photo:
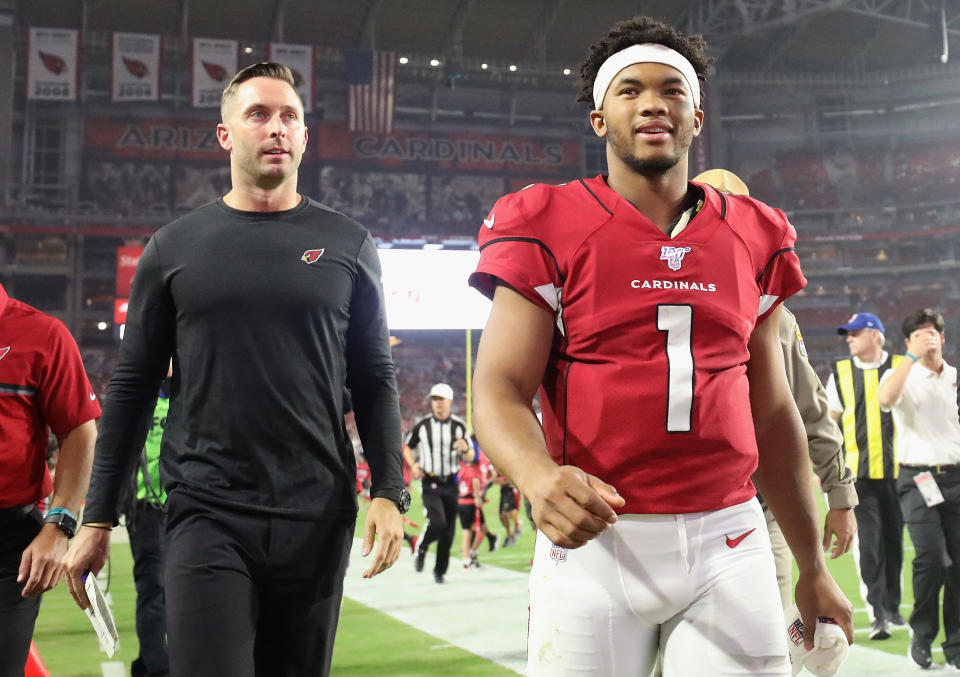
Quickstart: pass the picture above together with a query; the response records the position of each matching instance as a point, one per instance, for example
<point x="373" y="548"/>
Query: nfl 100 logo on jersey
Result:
<point x="673" y="256"/>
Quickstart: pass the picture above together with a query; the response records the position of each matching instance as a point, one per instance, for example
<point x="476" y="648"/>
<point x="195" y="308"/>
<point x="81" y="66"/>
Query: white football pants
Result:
<point x="694" y="595"/>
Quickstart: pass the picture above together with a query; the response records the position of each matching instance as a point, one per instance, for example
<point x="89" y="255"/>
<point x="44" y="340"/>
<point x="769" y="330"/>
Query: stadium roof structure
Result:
<point x="540" y="36"/>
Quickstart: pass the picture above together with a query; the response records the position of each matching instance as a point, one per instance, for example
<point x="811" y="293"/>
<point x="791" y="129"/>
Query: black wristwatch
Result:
<point x="64" y="521"/>
<point x="400" y="498"/>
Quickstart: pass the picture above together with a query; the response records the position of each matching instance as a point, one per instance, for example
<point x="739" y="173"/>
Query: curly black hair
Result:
<point x="639" y="30"/>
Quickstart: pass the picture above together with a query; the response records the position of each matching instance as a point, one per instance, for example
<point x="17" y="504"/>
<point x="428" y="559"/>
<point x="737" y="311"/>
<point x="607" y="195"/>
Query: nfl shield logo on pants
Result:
<point x="557" y="553"/>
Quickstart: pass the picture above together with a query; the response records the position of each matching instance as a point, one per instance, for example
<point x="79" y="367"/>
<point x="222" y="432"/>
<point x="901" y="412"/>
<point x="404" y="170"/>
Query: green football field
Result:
<point x="368" y="642"/>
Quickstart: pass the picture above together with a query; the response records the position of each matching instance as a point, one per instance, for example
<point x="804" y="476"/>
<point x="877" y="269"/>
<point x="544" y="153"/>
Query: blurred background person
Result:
<point x="869" y="440"/>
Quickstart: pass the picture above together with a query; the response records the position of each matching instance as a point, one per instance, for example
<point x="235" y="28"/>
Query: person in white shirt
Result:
<point x="922" y="394"/>
<point x="868" y="446"/>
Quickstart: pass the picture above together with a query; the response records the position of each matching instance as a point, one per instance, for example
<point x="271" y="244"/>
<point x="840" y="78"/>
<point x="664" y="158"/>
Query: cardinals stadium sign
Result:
<point x="214" y="63"/>
<point x="53" y="71"/>
<point x="467" y="151"/>
<point x="152" y="138"/>
<point x="135" y="68"/>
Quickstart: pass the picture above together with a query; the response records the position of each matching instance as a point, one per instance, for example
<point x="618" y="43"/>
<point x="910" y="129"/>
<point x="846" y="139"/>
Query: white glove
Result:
<point x="829" y="646"/>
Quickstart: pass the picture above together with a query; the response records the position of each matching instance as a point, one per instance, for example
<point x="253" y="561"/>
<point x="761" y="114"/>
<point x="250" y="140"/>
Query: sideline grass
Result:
<point x="369" y="642"/>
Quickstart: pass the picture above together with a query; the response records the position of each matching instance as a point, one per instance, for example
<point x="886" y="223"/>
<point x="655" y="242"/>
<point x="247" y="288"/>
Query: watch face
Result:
<point x="403" y="502"/>
<point x="67" y="524"/>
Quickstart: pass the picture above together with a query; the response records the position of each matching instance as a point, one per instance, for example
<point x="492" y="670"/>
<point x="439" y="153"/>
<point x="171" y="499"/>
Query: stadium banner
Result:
<point x="53" y="64"/>
<point x="467" y="152"/>
<point x="127" y="258"/>
<point x="299" y="59"/>
<point x="135" y="67"/>
<point x="213" y="64"/>
<point x="120" y="311"/>
<point x="153" y="138"/>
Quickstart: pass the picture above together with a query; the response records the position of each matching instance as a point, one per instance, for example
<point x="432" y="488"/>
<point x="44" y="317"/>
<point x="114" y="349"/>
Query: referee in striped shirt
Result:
<point x="433" y="449"/>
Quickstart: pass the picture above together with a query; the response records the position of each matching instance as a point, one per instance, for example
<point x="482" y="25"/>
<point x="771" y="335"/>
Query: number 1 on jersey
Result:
<point x="677" y="322"/>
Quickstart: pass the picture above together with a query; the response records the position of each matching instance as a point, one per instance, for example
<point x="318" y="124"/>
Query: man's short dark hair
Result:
<point x="264" y="69"/>
<point x="918" y="318"/>
<point x="637" y="31"/>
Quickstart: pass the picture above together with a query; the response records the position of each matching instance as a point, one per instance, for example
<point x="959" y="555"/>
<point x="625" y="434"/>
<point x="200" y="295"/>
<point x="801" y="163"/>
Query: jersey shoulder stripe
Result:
<point x="532" y="240"/>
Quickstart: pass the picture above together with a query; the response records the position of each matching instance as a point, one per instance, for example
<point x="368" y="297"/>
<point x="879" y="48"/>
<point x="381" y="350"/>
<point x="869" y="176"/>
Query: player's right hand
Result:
<point x="88" y="553"/>
<point x="571" y="507"/>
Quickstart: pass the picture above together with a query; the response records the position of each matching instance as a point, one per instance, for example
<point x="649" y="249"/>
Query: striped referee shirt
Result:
<point x="432" y="443"/>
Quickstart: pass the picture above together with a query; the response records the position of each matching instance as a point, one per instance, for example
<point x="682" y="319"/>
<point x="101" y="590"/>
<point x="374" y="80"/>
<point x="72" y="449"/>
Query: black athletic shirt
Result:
<point x="272" y="317"/>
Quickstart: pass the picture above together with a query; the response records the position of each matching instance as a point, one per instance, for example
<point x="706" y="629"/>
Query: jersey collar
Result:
<point x="713" y="203"/>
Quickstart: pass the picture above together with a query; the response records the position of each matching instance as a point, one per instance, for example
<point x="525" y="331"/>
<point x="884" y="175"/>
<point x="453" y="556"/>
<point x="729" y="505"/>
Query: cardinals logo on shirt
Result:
<point x="4" y="351"/>
<point x="312" y="256"/>
<point x="673" y="256"/>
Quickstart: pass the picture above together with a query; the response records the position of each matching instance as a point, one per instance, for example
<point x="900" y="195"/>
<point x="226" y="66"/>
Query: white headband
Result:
<point x="648" y="52"/>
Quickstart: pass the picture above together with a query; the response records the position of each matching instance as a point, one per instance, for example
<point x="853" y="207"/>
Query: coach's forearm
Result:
<point x="783" y="478"/>
<point x="73" y="467"/>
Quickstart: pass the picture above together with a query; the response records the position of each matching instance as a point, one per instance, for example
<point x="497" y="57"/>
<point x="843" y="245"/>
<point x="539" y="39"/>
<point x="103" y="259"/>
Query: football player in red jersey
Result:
<point x="645" y="308"/>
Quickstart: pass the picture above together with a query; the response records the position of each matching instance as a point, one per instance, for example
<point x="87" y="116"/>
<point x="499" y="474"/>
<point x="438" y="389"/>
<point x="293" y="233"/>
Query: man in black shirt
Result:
<point x="433" y="450"/>
<point x="271" y="306"/>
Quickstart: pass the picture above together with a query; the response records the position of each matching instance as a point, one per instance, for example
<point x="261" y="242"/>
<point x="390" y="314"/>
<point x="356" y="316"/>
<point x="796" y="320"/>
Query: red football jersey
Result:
<point x="42" y="383"/>
<point x="466" y="475"/>
<point x="646" y="385"/>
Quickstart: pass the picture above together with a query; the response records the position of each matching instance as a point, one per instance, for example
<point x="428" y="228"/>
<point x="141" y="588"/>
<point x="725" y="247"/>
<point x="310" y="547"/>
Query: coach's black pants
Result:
<point x="880" y="531"/>
<point x="251" y="594"/>
<point x="440" y="502"/>
<point x="935" y="533"/>
<point x="146" y="527"/>
<point x="17" y="615"/>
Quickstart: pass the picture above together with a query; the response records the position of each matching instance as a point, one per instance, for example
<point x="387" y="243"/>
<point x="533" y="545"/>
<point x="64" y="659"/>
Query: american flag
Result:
<point x="371" y="84"/>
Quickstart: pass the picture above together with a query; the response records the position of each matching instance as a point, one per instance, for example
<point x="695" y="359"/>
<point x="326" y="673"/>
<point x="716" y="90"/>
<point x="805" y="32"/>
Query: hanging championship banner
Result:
<point x="300" y="60"/>
<point x="214" y="64"/>
<point x="135" y="68"/>
<point x="53" y="64"/>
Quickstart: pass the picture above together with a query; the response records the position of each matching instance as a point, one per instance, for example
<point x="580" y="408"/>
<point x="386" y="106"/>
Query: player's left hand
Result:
<point x="841" y="523"/>
<point x="817" y="594"/>
<point x="41" y="565"/>
<point x="384" y="525"/>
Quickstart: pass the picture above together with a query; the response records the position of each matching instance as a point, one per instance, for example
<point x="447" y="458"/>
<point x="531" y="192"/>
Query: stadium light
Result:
<point x="513" y="67"/>
<point x="404" y="60"/>
<point x="434" y="62"/>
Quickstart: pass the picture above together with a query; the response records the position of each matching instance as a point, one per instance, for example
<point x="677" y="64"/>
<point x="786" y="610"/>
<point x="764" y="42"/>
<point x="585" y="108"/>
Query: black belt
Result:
<point x="940" y="469"/>
<point x="18" y="509"/>
<point x="438" y="478"/>
<point x="16" y="513"/>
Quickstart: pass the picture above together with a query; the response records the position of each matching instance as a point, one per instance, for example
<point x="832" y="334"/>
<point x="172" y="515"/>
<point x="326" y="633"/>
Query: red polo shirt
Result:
<point x="42" y="384"/>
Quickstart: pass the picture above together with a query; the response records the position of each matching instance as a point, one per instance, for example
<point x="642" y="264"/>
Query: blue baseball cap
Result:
<point x="861" y="321"/>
